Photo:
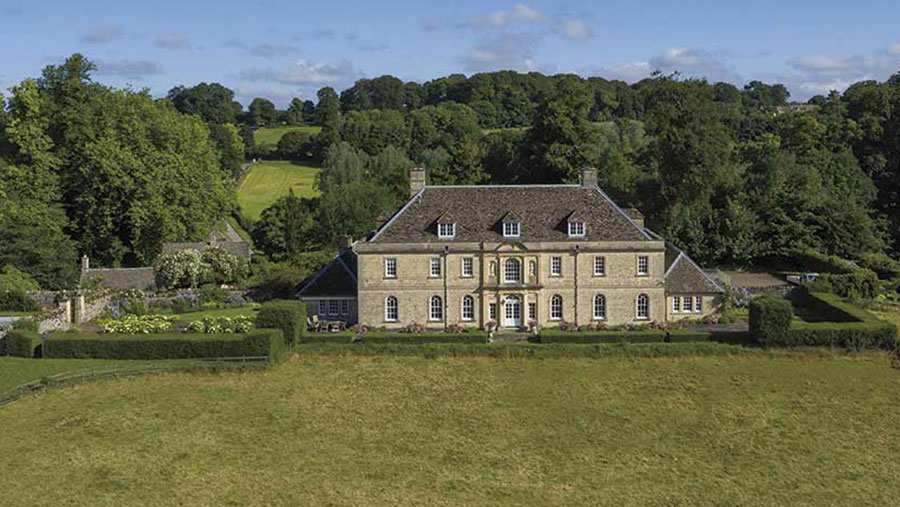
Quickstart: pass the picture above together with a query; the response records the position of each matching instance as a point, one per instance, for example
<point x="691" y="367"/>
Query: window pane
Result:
<point x="323" y="308"/>
<point x="334" y="307"/>
<point x="599" y="266"/>
<point x="688" y="304"/>
<point x="699" y="304"/>
<point x="512" y="271"/>
<point x="676" y="304"/>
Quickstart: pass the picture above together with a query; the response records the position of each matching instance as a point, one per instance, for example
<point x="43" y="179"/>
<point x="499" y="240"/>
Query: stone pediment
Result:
<point x="511" y="247"/>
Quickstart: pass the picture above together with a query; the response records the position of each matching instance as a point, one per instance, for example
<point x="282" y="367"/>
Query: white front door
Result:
<point x="512" y="312"/>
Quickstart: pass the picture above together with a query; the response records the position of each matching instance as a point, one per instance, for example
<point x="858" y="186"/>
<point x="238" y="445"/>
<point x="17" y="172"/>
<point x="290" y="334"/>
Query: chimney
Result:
<point x="635" y="215"/>
<point x="345" y="243"/>
<point x="85" y="263"/>
<point x="416" y="180"/>
<point x="589" y="177"/>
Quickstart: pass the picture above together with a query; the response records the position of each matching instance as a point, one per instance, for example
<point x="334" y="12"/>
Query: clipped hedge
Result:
<point x="258" y="343"/>
<point x="646" y="336"/>
<point x="388" y="337"/>
<point x="770" y="320"/>
<point x="23" y="343"/>
<point x="286" y="315"/>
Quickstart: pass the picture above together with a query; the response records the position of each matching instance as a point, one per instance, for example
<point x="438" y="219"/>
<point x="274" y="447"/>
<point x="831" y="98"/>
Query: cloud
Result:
<point x="102" y="34"/>
<point x="323" y="33"/>
<point x="693" y="63"/>
<point x="273" y="50"/>
<point x="307" y="73"/>
<point x="508" y="51"/>
<point x="132" y="69"/>
<point x="280" y="95"/>
<point x="819" y="74"/>
<point x="175" y="41"/>
<point x="575" y="30"/>
<point x="521" y="13"/>
<point x="628" y="72"/>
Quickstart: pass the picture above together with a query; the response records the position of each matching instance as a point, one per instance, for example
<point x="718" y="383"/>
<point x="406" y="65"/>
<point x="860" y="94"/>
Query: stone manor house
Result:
<point x="511" y="255"/>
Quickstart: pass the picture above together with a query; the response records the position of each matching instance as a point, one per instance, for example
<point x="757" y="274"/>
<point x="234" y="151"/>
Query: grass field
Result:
<point x="271" y="135"/>
<point x="267" y="181"/>
<point x="416" y="431"/>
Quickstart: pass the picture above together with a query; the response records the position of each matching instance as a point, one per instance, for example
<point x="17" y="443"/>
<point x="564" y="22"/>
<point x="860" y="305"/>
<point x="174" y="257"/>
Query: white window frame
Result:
<point x="698" y="304"/>
<point x="388" y="309"/>
<point x="645" y="269"/>
<point x="334" y="307"/>
<point x="345" y="307"/>
<point x="467" y="309"/>
<point x="446" y="231"/>
<point x="323" y="308"/>
<point x="687" y="304"/>
<point x="555" y="266"/>
<point x="676" y="304"/>
<point x="390" y="268"/>
<point x="532" y="311"/>
<point x="601" y="299"/>
<point x="492" y="311"/>
<point x="434" y="267"/>
<point x="466" y="268"/>
<point x="600" y="262"/>
<point x="577" y="229"/>
<point x="512" y="229"/>
<point x="435" y="309"/>
<point x="556" y="310"/>
<point x="645" y="315"/>
<point x="506" y="270"/>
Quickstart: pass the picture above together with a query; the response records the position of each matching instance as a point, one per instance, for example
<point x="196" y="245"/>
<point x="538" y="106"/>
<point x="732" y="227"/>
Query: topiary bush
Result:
<point x="770" y="320"/>
<point x="286" y="315"/>
<point x="23" y="344"/>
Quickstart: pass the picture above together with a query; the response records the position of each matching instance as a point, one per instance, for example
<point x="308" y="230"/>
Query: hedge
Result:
<point x="286" y="315"/>
<point x="646" y="336"/>
<point x="850" y="327"/>
<point x="388" y="337"/>
<point x="23" y="344"/>
<point x="770" y="320"/>
<point x="259" y="343"/>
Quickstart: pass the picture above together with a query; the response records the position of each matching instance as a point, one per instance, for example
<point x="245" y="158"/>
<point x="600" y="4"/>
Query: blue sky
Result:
<point x="282" y="49"/>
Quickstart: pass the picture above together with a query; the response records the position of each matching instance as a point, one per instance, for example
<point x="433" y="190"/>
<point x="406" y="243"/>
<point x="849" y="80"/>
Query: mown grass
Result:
<point x="267" y="181"/>
<point x="15" y="371"/>
<point x="271" y="135"/>
<point x="477" y="431"/>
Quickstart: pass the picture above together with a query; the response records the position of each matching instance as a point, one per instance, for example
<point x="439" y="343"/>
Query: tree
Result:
<point x="287" y="228"/>
<point x="294" y="113"/>
<point x="262" y="112"/>
<point x="296" y="145"/>
<point x="230" y="146"/>
<point x="213" y="102"/>
<point x="328" y="115"/>
<point x="560" y="128"/>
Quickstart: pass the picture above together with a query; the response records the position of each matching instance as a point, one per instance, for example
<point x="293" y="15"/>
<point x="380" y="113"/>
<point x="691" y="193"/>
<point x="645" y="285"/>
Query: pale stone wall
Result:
<point x="414" y="286"/>
<point x="711" y="304"/>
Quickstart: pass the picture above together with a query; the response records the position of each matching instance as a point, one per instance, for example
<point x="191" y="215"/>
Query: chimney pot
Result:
<point x="589" y="177"/>
<point x="85" y="263"/>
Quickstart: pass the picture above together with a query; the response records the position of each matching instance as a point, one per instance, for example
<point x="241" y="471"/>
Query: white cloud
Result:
<point x="102" y="34"/>
<point x="306" y="72"/>
<point x="575" y="30"/>
<point x="132" y="69"/>
<point x="521" y="13"/>
<point x="273" y="50"/>
<point x="508" y="51"/>
<point x="693" y="63"/>
<point x="173" y="40"/>
<point x="628" y="72"/>
<point x="819" y="74"/>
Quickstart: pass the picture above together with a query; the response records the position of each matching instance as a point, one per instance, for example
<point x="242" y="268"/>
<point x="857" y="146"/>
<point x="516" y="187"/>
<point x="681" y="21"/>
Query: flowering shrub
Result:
<point x="567" y="326"/>
<point x="190" y="268"/>
<point x="456" y="328"/>
<point x="238" y="324"/>
<point x="597" y="325"/>
<point x="137" y="324"/>
<point x="414" y="328"/>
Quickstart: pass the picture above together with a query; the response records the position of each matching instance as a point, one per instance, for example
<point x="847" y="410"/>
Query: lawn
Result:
<point x="267" y="181"/>
<point x="271" y="135"/>
<point x="757" y="430"/>
<point x="185" y="318"/>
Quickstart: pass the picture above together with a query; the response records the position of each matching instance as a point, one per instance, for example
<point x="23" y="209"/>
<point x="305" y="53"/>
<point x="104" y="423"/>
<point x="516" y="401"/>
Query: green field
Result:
<point x="414" y="431"/>
<point x="267" y="181"/>
<point x="271" y="135"/>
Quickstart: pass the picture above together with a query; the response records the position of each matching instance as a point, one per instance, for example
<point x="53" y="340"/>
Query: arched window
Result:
<point x="391" y="309"/>
<point x="642" y="307"/>
<point x="556" y="307"/>
<point x="599" y="307"/>
<point x="436" y="309"/>
<point x="468" y="308"/>
<point x="512" y="271"/>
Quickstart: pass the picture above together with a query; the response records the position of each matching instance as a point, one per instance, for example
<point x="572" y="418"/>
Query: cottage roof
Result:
<point x="542" y="210"/>
<point x="336" y="279"/>
<point x="683" y="276"/>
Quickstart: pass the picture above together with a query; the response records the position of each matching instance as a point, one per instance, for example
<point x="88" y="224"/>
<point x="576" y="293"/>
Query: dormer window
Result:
<point x="511" y="229"/>
<point x="576" y="229"/>
<point x="446" y="231"/>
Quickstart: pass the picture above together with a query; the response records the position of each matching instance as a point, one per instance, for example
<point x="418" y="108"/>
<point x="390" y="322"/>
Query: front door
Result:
<point x="512" y="312"/>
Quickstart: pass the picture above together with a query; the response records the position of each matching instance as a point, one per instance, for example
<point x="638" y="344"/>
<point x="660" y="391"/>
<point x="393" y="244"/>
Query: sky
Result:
<point x="284" y="49"/>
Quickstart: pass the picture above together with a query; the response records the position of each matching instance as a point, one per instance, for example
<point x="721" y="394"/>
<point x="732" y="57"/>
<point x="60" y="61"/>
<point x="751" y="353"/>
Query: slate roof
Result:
<point x="122" y="278"/>
<point x="542" y="210"/>
<point x="336" y="279"/>
<point x="683" y="276"/>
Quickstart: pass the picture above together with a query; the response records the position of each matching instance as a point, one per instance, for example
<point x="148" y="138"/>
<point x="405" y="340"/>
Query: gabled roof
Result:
<point x="336" y="279"/>
<point x="480" y="210"/>
<point x="683" y="276"/>
<point x="575" y="216"/>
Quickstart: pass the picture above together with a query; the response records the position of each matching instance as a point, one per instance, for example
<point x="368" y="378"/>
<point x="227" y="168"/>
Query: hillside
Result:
<point x="269" y="180"/>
